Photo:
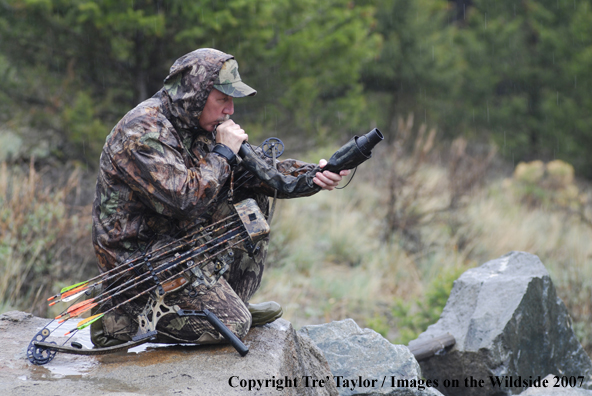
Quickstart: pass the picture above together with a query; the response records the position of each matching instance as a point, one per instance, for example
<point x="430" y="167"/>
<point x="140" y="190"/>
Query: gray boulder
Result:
<point x="508" y="322"/>
<point x="365" y="363"/>
<point x="277" y="354"/>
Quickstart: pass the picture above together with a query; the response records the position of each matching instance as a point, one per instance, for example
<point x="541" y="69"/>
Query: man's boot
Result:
<point x="265" y="312"/>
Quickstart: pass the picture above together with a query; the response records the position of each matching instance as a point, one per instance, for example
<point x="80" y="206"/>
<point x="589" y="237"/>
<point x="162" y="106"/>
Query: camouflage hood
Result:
<point x="188" y="85"/>
<point x="191" y="79"/>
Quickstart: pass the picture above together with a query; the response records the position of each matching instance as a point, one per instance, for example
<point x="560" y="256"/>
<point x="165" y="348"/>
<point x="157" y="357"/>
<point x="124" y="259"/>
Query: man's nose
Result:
<point x="229" y="108"/>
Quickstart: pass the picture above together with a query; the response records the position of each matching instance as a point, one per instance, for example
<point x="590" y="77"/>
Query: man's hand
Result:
<point x="231" y="135"/>
<point x="328" y="180"/>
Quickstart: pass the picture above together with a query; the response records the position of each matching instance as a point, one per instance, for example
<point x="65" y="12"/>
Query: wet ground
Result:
<point x="150" y="369"/>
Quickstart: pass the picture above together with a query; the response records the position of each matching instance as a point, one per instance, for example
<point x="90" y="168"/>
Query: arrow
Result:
<point x="72" y="294"/>
<point x="83" y="286"/>
<point x="86" y="322"/>
<point x="65" y="289"/>
<point x="77" y="309"/>
<point x="86" y="305"/>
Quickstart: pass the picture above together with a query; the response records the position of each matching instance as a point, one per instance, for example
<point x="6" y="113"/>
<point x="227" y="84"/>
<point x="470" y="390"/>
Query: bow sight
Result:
<point x="193" y="259"/>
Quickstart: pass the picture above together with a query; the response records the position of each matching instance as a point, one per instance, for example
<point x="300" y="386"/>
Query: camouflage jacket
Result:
<point x="157" y="173"/>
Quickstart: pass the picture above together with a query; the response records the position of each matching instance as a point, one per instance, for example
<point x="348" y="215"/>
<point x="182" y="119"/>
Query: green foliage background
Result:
<point x="70" y="69"/>
<point x="514" y="73"/>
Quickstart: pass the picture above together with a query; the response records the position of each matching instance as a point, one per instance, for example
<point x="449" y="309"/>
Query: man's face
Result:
<point x="219" y="107"/>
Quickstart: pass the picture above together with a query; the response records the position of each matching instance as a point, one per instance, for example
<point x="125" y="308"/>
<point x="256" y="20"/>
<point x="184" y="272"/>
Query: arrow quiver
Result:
<point x="196" y="259"/>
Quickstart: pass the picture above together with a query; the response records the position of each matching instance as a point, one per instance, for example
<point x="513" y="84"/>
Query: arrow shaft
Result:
<point x="175" y="275"/>
<point x="117" y="270"/>
<point x="86" y="305"/>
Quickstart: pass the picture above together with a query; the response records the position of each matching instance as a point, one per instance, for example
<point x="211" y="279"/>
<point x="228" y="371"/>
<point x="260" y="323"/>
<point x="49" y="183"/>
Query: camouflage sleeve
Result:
<point x="289" y="167"/>
<point x="147" y="159"/>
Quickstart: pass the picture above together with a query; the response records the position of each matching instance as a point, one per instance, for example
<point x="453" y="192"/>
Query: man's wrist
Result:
<point x="224" y="151"/>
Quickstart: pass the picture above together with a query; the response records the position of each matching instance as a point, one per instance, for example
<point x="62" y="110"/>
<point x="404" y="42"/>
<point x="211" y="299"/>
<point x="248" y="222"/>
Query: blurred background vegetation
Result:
<point x="486" y="107"/>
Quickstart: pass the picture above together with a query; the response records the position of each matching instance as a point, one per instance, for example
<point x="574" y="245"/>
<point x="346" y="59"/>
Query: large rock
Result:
<point x="276" y="353"/>
<point x="365" y="363"/>
<point x="507" y="321"/>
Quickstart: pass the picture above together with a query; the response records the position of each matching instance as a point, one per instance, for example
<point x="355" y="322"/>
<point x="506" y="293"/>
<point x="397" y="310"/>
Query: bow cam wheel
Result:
<point x="268" y="145"/>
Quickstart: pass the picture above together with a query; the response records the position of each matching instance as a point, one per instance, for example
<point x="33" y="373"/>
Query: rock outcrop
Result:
<point x="279" y="362"/>
<point x="365" y="363"/>
<point x="508" y="322"/>
<point x="510" y="328"/>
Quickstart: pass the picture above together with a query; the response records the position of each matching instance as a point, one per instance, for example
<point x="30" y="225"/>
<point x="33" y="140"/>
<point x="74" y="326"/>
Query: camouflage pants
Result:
<point x="227" y="299"/>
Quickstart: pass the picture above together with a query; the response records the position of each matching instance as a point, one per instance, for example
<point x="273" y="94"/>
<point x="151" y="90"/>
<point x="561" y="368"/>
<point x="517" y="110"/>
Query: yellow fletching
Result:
<point x="89" y="319"/>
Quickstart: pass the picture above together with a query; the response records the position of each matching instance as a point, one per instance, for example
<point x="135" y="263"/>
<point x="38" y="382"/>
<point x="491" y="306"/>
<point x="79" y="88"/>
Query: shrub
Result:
<point x="44" y="243"/>
<point x="550" y="185"/>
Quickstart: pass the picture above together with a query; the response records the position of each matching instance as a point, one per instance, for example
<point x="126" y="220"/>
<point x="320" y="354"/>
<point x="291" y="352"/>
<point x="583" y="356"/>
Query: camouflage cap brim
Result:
<point x="229" y="81"/>
<point x="236" y="90"/>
